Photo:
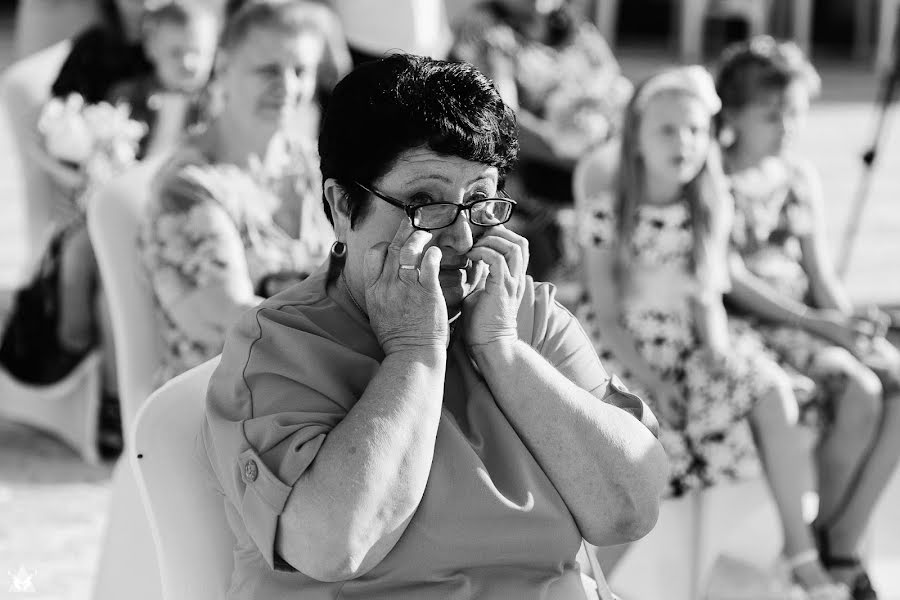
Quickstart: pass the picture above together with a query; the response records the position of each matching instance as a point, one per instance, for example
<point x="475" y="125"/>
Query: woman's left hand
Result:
<point x="490" y="312"/>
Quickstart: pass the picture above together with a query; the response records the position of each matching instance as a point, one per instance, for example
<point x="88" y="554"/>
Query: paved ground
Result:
<point x="52" y="506"/>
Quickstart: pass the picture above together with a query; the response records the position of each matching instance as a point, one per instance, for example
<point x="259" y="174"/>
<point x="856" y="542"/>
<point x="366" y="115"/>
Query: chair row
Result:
<point x="692" y="16"/>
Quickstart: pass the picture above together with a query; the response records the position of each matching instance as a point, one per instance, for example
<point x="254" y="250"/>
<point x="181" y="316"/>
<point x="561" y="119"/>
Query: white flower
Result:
<point x="67" y="136"/>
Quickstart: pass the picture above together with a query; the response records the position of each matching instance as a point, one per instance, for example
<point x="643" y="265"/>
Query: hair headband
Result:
<point x="694" y="80"/>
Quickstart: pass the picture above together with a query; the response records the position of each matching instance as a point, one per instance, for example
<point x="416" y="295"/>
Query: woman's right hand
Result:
<point x="403" y="295"/>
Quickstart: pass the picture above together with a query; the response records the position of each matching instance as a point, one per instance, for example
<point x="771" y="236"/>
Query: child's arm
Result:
<point x="831" y="317"/>
<point x="826" y="288"/>
<point x="171" y="121"/>
<point x="709" y="314"/>
<point x="606" y="304"/>
<point x="712" y="326"/>
<point x="70" y="179"/>
<point x="604" y="292"/>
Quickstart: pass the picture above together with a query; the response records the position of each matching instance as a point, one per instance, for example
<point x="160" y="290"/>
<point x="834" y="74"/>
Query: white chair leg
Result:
<point x="692" y="19"/>
<point x="68" y="409"/>
<point x="127" y="567"/>
<point x="862" y="28"/>
<point x="606" y="17"/>
<point x="759" y="19"/>
<point x="887" y="29"/>
<point x="801" y="23"/>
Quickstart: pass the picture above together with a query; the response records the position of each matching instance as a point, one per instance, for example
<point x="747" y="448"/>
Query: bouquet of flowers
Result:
<point x="92" y="141"/>
<point x="586" y="113"/>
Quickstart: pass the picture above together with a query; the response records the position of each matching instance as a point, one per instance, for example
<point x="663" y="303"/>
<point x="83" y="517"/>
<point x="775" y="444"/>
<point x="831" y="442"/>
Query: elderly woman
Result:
<point x="419" y="419"/>
<point x="236" y="215"/>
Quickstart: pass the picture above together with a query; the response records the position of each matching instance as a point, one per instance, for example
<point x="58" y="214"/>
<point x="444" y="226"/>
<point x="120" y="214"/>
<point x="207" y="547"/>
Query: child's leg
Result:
<point x="847" y="522"/>
<point x="77" y="282"/>
<point x="774" y="420"/>
<point x="845" y="445"/>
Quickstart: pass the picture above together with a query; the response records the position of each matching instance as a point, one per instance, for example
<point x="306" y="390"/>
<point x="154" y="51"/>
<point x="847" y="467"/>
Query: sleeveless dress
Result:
<point x="212" y="224"/>
<point x="714" y="443"/>
<point x="773" y="212"/>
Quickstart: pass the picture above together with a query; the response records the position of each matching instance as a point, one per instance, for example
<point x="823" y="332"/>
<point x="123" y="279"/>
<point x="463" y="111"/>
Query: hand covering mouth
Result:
<point x="456" y="265"/>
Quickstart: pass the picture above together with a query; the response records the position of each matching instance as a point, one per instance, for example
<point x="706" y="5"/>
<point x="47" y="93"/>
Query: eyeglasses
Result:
<point x="427" y="216"/>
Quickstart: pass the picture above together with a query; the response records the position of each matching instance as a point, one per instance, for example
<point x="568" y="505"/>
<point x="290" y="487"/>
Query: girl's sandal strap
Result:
<point x="802" y="558"/>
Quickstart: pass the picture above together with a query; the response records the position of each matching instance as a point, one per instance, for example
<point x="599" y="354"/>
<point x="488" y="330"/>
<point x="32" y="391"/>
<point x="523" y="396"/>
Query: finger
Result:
<point x="404" y="231"/>
<point x="511" y="252"/>
<point x="507" y="234"/>
<point x="373" y="262"/>
<point x="430" y="268"/>
<point x="411" y="252"/>
<point x="498" y="270"/>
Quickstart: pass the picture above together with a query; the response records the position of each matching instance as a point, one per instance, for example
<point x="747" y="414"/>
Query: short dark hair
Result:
<point x="402" y="101"/>
<point x="289" y="16"/>
<point x="761" y="65"/>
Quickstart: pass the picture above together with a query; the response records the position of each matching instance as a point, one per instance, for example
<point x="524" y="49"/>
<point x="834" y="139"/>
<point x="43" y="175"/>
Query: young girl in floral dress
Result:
<point x="783" y="280"/>
<point x="655" y="258"/>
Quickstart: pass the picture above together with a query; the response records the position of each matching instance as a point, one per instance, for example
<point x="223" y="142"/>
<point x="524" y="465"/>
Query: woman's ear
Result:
<point x="726" y="135"/>
<point x="338" y="200"/>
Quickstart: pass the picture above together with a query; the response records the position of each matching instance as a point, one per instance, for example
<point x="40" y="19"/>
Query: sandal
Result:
<point x="824" y="591"/>
<point x="861" y="586"/>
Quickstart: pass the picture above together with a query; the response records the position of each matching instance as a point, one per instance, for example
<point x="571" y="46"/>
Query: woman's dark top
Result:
<point x="100" y="58"/>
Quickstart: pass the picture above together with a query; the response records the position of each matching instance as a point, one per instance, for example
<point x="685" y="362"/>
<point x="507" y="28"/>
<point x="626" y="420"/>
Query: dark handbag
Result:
<point x="30" y="350"/>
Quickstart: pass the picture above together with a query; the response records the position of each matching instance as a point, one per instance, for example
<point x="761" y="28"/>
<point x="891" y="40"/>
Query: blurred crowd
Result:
<point x="676" y="206"/>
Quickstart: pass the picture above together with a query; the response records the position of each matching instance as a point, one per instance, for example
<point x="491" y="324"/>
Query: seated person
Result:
<point x="101" y="57"/>
<point x="178" y="41"/>
<point x="236" y="213"/>
<point x="554" y="68"/>
<point x="179" y="38"/>
<point x="655" y="263"/>
<point x="784" y="281"/>
<point x="419" y="419"/>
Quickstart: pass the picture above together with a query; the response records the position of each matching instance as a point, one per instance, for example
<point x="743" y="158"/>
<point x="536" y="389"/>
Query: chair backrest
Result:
<point x="114" y="215"/>
<point x="596" y="171"/>
<point x="194" y="543"/>
<point x="24" y="89"/>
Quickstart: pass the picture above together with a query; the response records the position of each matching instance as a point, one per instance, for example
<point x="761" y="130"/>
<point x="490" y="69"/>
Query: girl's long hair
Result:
<point x="707" y="195"/>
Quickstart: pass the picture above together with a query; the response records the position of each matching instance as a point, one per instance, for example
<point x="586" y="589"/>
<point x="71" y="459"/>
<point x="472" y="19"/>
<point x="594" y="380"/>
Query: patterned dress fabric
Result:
<point x="707" y="437"/>
<point x="773" y="212"/>
<point x="214" y="228"/>
<point x="574" y="82"/>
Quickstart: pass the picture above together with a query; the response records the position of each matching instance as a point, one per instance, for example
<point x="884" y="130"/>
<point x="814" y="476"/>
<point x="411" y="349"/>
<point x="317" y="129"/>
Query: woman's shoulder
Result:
<point x="189" y="181"/>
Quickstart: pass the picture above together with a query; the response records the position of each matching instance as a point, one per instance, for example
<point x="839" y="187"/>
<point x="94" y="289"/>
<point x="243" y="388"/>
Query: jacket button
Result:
<point x="251" y="471"/>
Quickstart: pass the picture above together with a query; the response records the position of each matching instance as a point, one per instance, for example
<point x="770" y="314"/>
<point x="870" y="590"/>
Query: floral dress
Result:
<point x="214" y="229"/>
<point x="708" y="439"/>
<point x="773" y="212"/>
<point x="576" y="84"/>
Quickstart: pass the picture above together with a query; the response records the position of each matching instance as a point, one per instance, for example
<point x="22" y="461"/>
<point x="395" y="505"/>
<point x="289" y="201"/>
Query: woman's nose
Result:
<point x="457" y="236"/>
<point x="285" y="82"/>
<point x="190" y="62"/>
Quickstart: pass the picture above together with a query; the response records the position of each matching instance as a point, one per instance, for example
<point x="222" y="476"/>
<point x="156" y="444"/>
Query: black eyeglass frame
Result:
<point x="411" y="209"/>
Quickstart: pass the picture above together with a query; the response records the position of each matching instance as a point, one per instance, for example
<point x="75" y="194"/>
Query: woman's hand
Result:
<point x="403" y="295"/>
<point x="490" y="313"/>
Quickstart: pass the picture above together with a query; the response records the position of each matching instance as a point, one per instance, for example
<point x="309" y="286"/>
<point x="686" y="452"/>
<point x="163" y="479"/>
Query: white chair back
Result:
<point x="114" y="216"/>
<point x="24" y="89"/>
<point x="194" y="543"/>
